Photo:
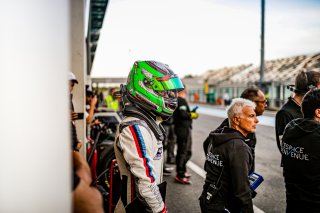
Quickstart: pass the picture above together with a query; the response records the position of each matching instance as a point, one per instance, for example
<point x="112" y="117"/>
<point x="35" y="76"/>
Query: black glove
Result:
<point x="253" y="193"/>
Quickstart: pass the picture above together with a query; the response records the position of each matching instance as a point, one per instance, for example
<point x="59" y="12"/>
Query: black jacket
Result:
<point x="251" y="140"/>
<point x="230" y="152"/>
<point x="301" y="163"/>
<point x="289" y="111"/>
<point x="181" y="116"/>
<point x="168" y="122"/>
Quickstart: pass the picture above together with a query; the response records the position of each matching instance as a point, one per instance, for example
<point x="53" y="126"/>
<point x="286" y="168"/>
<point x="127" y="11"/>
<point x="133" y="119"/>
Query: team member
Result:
<point x="76" y="144"/>
<point x="255" y="95"/>
<point x="85" y="198"/>
<point x="111" y="101"/>
<point x="229" y="161"/>
<point x="182" y="126"/>
<point x="170" y="140"/>
<point x="149" y="97"/>
<point x="168" y="145"/>
<point x="91" y="102"/>
<point x="301" y="157"/>
<point x="292" y="108"/>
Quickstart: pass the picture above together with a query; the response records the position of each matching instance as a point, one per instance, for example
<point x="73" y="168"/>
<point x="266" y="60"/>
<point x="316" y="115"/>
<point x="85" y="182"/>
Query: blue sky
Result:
<point x="195" y="36"/>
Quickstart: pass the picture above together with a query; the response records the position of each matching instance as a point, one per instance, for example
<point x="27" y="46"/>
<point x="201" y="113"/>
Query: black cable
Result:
<point x="93" y="147"/>
<point x="102" y="173"/>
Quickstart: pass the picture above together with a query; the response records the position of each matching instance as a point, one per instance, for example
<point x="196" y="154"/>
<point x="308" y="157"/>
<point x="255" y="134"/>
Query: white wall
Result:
<point x="35" y="146"/>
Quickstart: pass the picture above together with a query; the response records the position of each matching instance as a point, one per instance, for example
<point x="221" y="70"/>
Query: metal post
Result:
<point x="262" y="43"/>
<point x="78" y="64"/>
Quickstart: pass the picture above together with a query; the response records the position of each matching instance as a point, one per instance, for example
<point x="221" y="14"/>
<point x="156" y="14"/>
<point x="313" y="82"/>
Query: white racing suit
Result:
<point x="140" y="158"/>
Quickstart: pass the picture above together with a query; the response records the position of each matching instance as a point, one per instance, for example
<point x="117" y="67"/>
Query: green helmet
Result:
<point x="153" y="86"/>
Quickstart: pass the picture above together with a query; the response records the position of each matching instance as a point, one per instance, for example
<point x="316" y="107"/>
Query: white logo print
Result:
<point x="296" y="152"/>
<point x="214" y="159"/>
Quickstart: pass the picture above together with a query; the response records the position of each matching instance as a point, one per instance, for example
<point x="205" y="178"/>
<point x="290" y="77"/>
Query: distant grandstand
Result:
<point x="233" y="80"/>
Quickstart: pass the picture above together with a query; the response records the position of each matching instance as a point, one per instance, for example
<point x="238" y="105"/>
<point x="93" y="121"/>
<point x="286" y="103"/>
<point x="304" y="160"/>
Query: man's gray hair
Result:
<point x="237" y="106"/>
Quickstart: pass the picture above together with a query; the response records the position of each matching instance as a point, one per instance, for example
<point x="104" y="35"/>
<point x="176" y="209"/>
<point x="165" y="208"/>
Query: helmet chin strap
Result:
<point x="138" y="112"/>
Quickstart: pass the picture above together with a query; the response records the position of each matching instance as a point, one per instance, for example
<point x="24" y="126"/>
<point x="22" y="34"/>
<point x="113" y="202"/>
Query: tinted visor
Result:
<point x="170" y="83"/>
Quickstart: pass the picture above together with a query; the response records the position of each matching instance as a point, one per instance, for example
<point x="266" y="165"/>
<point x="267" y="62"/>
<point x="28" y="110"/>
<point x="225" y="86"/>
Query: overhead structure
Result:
<point x="97" y="13"/>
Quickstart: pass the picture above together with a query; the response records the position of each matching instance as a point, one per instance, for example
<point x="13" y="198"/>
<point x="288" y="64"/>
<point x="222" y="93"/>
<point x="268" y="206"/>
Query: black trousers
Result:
<point x="170" y="142"/>
<point x="184" y="142"/>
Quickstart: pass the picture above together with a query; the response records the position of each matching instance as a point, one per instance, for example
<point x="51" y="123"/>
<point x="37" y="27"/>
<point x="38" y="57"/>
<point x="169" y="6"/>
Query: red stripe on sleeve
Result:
<point x="136" y="141"/>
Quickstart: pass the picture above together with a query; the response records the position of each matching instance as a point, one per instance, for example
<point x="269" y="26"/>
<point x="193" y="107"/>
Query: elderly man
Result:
<point x="300" y="150"/>
<point x="229" y="161"/>
<point x="255" y="95"/>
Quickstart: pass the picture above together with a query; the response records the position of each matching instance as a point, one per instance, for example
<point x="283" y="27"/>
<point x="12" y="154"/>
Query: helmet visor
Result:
<point x="169" y="83"/>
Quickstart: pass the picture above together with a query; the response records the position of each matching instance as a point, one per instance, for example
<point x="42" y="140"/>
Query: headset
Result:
<point x="311" y="83"/>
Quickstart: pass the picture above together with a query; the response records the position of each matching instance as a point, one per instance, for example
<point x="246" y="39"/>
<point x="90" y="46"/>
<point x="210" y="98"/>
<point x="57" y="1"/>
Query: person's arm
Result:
<point x="240" y="160"/>
<point x="93" y="103"/>
<point x="81" y="167"/>
<point x="135" y="142"/>
<point x="86" y="198"/>
<point x="206" y="144"/>
<point x="184" y="113"/>
<point x="282" y="119"/>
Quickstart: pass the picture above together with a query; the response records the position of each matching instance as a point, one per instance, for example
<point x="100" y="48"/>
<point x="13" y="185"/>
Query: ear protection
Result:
<point x="311" y="80"/>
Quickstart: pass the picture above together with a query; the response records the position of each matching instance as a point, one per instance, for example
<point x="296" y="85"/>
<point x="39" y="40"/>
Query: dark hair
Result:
<point x="310" y="102"/>
<point x="250" y="93"/>
<point x="305" y="80"/>
<point x="89" y="93"/>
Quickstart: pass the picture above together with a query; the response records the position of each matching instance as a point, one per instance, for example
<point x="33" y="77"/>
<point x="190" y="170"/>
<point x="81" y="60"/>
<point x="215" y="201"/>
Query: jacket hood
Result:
<point x="301" y="127"/>
<point x="226" y="135"/>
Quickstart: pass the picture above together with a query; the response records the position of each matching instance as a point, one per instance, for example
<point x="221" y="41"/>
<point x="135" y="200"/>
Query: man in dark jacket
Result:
<point x="182" y="117"/>
<point x="301" y="157"/>
<point x="255" y="95"/>
<point x="229" y="161"/>
<point x="76" y="144"/>
<point x="291" y="109"/>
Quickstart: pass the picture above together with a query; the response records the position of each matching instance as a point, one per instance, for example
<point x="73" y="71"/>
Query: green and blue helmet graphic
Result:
<point x="154" y="86"/>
